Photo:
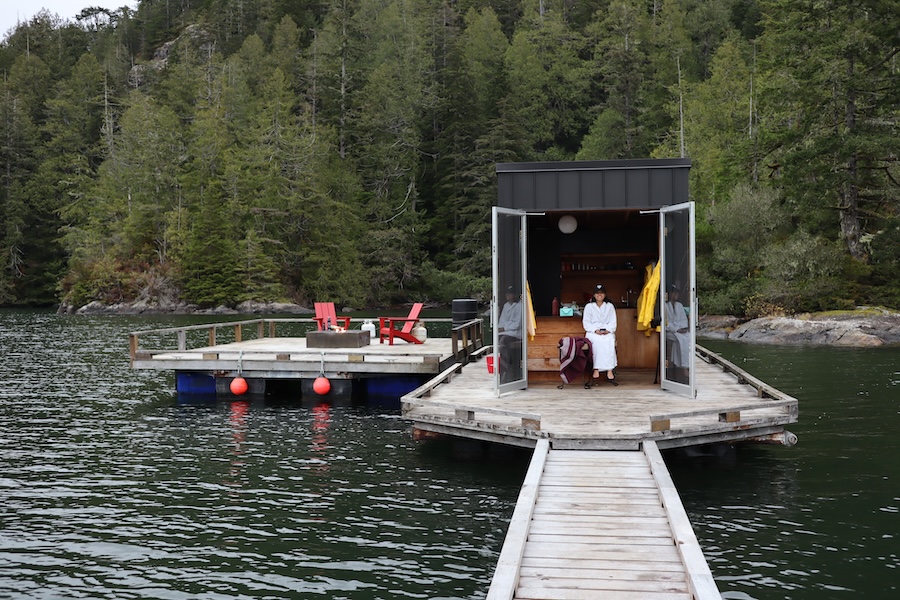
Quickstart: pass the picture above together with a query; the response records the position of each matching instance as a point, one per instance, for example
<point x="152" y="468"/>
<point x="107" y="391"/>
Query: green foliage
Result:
<point x="804" y="273"/>
<point x="444" y="286"/>
<point x="548" y="82"/>
<point x="105" y="280"/>
<point x="758" y="267"/>
<point x="757" y="305"/>
<point x="211" y="267"/>
<point x="830" y="101"/>
<point x="606" y="139"/>
<point x="345" y="150"/>
<point x="739" y="233"/>
<point x="885" y="271"/>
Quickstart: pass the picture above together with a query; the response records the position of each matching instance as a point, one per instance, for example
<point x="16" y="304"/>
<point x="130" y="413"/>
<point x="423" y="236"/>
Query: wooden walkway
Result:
<point x="598" y="515"/>
<point x="593" y="525"/>
<point x="730" y="406"/>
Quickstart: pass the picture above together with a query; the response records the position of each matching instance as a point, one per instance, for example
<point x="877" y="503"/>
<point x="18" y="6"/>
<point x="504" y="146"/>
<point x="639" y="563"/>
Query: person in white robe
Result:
<point x="678" y="334"/>
<point x="599" y="322"/>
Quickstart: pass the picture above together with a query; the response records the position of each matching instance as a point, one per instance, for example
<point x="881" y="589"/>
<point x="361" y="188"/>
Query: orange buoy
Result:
<point x="321" y="386"/>
<point x="238" y="386"/>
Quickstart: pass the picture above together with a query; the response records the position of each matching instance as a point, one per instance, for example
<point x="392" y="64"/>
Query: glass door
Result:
<point x="678" y="298"/>
<point x="508" y="304"/>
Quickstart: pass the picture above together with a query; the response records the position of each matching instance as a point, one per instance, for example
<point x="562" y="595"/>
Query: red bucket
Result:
<point x="490" y="363"/>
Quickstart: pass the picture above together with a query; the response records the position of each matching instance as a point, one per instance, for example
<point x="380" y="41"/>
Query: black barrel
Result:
<point x="464" y="310"/>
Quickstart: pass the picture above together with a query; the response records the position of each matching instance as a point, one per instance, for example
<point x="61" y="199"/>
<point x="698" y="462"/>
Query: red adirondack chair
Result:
<point x="387" y="326"/>
<point x="325" y="314"/>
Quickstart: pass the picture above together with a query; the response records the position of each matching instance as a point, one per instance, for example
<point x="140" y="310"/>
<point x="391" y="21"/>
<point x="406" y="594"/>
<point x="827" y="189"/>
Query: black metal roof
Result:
<point x="592" y="185"/>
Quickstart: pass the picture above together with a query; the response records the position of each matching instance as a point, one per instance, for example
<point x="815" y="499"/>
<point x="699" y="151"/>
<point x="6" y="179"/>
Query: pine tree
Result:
<point x="830" y="114"/>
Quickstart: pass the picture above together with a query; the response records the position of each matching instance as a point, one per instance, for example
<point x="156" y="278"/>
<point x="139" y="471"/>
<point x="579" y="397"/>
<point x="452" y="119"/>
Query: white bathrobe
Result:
<point x="604" y="346"/>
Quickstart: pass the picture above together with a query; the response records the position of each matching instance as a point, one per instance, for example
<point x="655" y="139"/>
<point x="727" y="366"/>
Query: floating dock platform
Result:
<point x="730" y="406"/>
<point x="598" y="515"/>
<point x="268" y="350"/>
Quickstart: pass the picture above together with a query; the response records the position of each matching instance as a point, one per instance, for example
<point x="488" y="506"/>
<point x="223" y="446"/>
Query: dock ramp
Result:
<point x="596" y="524"/>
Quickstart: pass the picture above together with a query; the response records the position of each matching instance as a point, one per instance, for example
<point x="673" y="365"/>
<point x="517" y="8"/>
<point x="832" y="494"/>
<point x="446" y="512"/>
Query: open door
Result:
<point x="678" y="298"/>
<point x="508" y="303"/>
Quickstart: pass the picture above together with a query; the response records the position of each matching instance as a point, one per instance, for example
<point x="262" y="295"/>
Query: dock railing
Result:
<point x="701" y="584"/>
<point x="763" y="389"/>
<point x="506" y="575"/>
<point x="777" y="398"/>
<point x="466" y="338"/>
<point x="528" y="421"/>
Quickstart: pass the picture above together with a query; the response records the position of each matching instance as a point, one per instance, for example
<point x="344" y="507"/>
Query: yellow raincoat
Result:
<point x="531" y="325"/>
<point x="646" y="303"/>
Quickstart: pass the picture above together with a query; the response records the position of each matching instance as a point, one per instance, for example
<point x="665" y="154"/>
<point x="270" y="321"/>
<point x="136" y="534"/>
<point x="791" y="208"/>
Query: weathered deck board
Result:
<point x="622" y="536"/>
<point x="603" y="417"/>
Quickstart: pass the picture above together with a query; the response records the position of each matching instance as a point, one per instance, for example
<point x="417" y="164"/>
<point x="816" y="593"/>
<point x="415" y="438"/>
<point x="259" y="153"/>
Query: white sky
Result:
<point x="13" y="11"/>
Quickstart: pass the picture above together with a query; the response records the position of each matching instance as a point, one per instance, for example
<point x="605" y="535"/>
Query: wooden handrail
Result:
<point x="763" y="389"/>
<point x="701" y="584"/>
<point x="732" y="414"/>
<point x="471" y="333"/>
<point x="419" y="397"/>
<point x="506" y="575"/>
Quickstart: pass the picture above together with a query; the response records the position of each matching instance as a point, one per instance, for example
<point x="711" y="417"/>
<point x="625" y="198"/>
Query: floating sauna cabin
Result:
<point x="590" y="222"/>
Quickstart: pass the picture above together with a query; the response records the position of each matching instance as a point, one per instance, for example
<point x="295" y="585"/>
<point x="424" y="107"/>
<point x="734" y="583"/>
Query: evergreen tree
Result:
<point x="459" y="231"/>
<point x="68" y="163"/>
<point x="620" y="57"/>
<point x="388" y="140"/>
<point x="548" y="84"/>
<point x="719" y="134"/>
<point x="209" y="264"/>
<point x="831" y="112"/>
<point x="18" y="140"/>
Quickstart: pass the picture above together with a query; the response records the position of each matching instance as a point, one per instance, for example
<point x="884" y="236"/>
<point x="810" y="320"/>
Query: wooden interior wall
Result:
<point x="634" y="349"/>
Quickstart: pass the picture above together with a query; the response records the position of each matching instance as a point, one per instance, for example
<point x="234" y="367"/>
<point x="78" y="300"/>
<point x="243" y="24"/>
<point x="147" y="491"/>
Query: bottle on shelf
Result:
<point x="555" y="306"/>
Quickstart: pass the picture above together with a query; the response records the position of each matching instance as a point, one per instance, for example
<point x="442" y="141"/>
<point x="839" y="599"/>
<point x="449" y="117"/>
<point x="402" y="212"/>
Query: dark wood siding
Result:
<point x="592" y="185"/>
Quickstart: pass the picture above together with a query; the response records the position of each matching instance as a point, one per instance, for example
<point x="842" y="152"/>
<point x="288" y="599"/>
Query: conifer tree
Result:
<point x="830" y="114"/>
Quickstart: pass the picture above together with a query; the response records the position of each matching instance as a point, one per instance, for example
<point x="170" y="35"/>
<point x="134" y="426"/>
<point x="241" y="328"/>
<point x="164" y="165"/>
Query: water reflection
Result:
<point x="238" y="421"/>
<point x="319" y="445"/>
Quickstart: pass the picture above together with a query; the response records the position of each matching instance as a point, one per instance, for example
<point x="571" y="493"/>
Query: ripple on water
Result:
<point x="112" y="490"/>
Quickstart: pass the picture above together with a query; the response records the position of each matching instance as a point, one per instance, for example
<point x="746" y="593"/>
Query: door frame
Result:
<point x="668" y="276"/>
<point x="500" y="265"/>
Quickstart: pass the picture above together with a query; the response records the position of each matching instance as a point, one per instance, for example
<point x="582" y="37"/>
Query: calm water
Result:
<point x="109" y="488"/>
<point x="819" y="520"/>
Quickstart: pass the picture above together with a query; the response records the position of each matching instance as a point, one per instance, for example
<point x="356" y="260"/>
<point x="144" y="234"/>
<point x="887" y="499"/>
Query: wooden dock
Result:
<point x="591" y="525"/>
<point x="730" y="406"/>
<point x="598" y="515"/>
<point x="257" y="349"/>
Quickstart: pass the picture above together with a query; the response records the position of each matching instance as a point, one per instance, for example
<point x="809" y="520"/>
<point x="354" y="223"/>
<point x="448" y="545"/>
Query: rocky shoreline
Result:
<point x="865" y="327"/>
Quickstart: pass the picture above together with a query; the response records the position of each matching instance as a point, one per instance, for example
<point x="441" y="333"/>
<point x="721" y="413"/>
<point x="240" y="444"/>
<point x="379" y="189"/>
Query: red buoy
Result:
<point x="239" y="386"/>
<point x="321" y="386"/>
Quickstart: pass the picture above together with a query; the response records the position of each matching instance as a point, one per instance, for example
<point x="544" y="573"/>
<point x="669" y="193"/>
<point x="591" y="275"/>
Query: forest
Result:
<point x="217" y="151"/>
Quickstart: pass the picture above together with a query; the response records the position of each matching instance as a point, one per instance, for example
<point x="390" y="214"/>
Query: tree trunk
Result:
<point x="849" y="206"/>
